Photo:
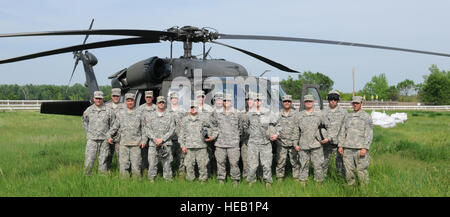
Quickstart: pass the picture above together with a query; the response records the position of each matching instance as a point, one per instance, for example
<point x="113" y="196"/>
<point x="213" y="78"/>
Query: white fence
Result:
<point x="392" y="107"/>
<point x="22" y="104"/>
<point x="36" y="105"/>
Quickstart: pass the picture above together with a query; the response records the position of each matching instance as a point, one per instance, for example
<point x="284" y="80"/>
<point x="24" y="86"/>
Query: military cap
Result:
<point x="357" y="99"/>
<point x="116" y="92"/>
<point x="199" y="93"/>
<point x="160" y="99"/>
<point x="98" y="94"/>
<point x="308" y="97"/>
<point x="228" y="97"/>
<point x="218" y="95"/>
<point x="173" y="95"/>
<point x="260" y="96"/>
<point x="129" y="96"/>
<point x="287" y="98"/>
<point x="149" y="93"/>
<point x="334" y="92"/>
<point x="333" y="95"/>
<point x="194" y="103"/>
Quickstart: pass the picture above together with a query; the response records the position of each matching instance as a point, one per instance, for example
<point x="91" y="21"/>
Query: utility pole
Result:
<point x="353" y="74"/>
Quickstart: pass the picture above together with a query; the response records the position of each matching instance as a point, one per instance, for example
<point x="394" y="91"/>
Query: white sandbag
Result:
<point x="386" y="121"/>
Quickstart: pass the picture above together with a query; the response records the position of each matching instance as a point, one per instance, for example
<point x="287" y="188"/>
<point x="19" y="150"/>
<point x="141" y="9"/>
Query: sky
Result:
<point x="413" y="24"/>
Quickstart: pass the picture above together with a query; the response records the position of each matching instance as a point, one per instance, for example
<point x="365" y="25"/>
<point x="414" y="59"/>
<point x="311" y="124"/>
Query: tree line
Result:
<point x="48" y="92"/>
<point x="434" y="90"/>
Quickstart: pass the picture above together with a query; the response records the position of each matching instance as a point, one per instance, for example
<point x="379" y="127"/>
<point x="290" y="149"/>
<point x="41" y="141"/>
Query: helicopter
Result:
<point x="165" y="75"/>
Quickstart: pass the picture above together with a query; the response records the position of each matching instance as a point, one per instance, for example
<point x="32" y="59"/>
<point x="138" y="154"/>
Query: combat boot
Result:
<point x="280" y="179"/>
<point x="251" y="183"/>
<point x="268" y="185"/>
<point x="235" y="183"/>
<point x="221" y="182"/>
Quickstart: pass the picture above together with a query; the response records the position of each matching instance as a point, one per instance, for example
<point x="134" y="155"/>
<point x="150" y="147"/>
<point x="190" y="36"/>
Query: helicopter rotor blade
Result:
<point x="309" y="40"/>
<point x="73" y="71"/>
<point x="101" y="44"/>
<point x="259" y="57"/>
<point x="87" y="35"/>
<point x="121" y="32"/>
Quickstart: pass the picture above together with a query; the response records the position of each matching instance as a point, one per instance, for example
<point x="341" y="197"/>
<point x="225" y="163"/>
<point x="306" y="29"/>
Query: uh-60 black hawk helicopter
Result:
<point x="163" y="75"/>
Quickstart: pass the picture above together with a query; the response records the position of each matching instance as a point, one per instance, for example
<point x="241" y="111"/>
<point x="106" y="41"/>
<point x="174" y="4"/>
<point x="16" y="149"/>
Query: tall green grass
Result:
<point x="43" y="155"/>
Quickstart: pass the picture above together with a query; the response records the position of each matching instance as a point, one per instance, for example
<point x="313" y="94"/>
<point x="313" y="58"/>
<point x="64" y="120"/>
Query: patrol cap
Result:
<point x="260" y="96"/>
<point x="149" y="93"/>
<point x="160" y="99"/>
<point x="218" y="95"/>
<point x="228" y="97"/>
<point x="129" y="96"/>
<point x="333" y="95"/>
<point x="98" y="94"/>
<point x="116" y="92"/>
<point x="357" y="99"/>
<point x="308" y="97"/>
<point x="286" y="98"/>
<point x="173" y="95"/>
<point x="199" y="93"/>
<point x="194" y="104"/>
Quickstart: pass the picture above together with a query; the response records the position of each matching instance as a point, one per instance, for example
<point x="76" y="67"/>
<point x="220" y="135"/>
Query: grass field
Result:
<point x="43" y="155"/>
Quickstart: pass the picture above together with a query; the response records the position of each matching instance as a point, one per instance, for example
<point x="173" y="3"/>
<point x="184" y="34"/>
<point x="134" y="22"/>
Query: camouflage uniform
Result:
<point x="310" y="147"/>
<point x="145" y="109"/>
<point x="260" y="125"/>
<point x="178" y="115"/>
<point x="115" y="147"/>
<point x="130" y="127"/>
<point x="356" y="134"/>
<point x="335" y="119"/>
<point x="96" y="122"/>
<point x="159" y="125"/>
<point x="193" y="139"/>
<point x="205" y="112"/>
<point x="289" y="136"/>
<point x="227" y="143"/>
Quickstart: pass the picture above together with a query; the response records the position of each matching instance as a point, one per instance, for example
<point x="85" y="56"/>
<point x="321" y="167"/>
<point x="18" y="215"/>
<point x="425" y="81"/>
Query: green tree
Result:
<point x="436" y="87"/>
<point x="378" y="85"/>
<point x="294" y="87"/>
<point x="393" y="93"/>
<point x="406" y="87"/>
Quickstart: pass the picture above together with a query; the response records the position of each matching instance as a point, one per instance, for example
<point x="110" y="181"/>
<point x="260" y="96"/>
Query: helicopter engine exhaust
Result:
<point x="141" y="75"/>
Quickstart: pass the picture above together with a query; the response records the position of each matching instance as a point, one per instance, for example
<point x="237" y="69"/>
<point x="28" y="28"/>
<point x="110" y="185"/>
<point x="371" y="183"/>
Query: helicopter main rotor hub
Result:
<point x="191" y="34"/>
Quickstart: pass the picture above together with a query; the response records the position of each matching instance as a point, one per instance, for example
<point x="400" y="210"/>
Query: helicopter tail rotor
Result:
<point x="77" y="56"/>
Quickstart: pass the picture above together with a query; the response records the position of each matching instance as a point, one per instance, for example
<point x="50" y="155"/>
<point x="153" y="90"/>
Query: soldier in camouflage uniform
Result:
<point x="229" y="122"/>
<point x="289" y="136"/>
<point x="146" y="108"/>
<point x="194" y="144"/>
<point x="129" y="124"/>
<point x="310" y="148"/>
<point x="354" y="142"/>
<point x="251" y="105"/>
<point x="159" y="129"/>
<point x="205" y="112"/>
<point x="178" y="113"/>
<point x="334" y="115"/>
<point x="97" y="120"/>
<point x="116" y="106"/>
<point x="260" y="125"/>
<point x="218" y="101"/>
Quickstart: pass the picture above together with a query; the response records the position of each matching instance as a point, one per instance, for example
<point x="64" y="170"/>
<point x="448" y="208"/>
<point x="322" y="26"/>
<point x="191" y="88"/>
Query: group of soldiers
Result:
<point x="212" y="136"/>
